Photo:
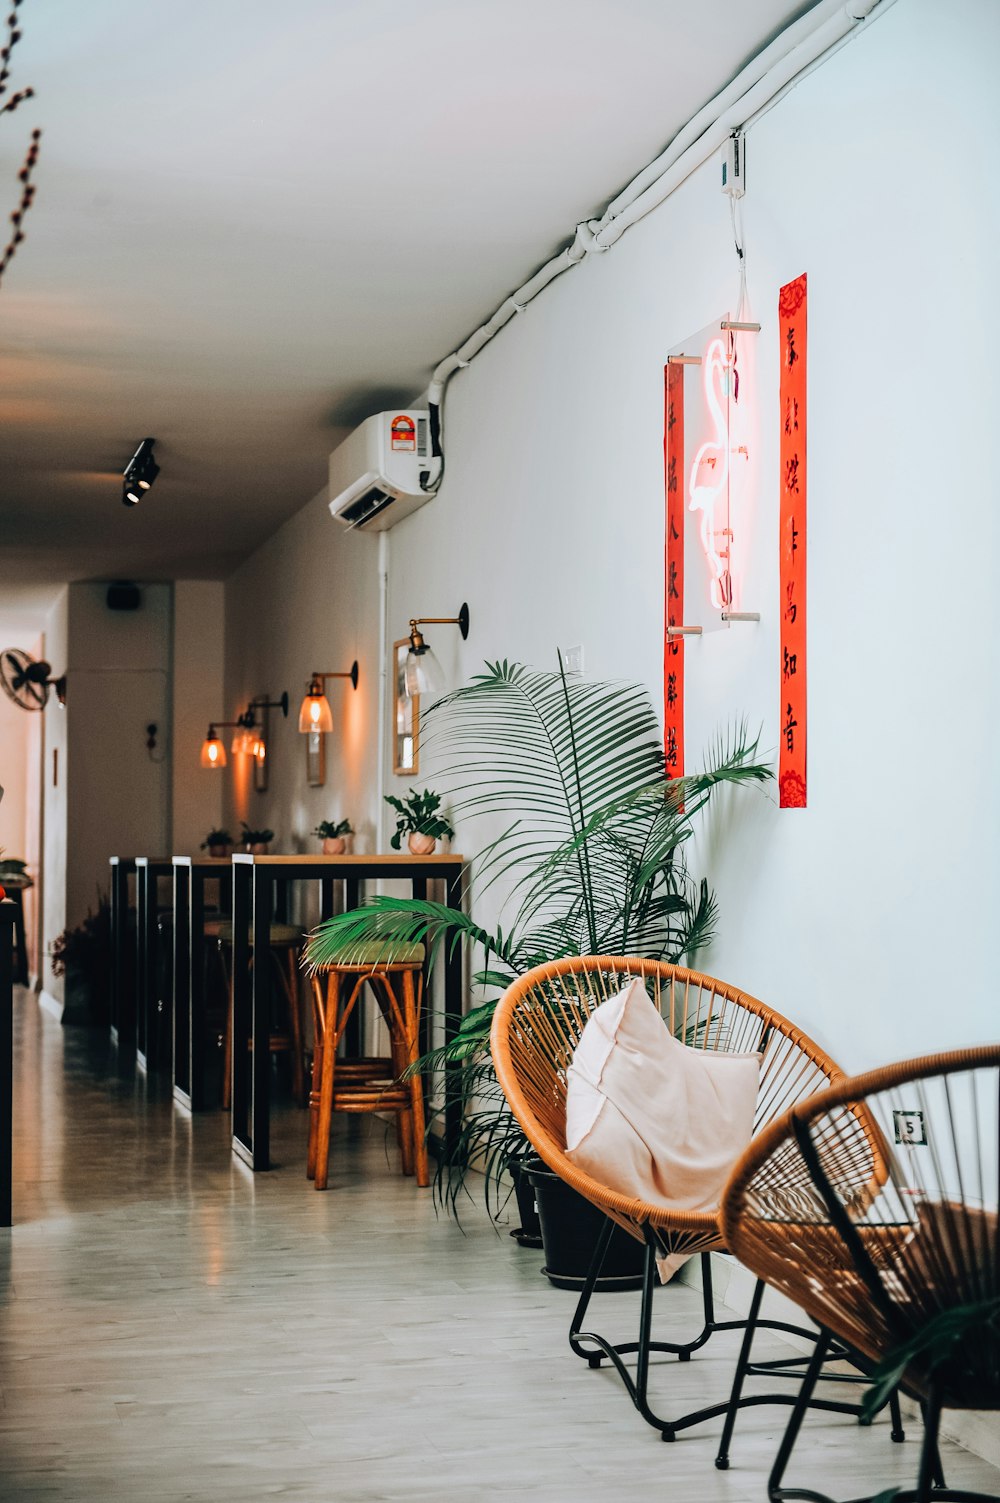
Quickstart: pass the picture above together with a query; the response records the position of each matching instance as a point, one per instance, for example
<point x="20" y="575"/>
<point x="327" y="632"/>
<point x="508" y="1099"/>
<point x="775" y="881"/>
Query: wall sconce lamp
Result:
<point x="255" y="744"/>
<point x="213" y="753"/>
<point x="244" y="742"/>
<point x="422" y="673"/>
<point x="139" y="473"/>
<point x="314" y="713"/>
<point x="248" y="738"/>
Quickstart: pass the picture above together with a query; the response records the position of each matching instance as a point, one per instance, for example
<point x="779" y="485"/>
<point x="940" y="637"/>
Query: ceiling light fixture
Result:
<point x="422" y="673"/>
<point x="314" y="712"/>
<point x="139" y="473"/>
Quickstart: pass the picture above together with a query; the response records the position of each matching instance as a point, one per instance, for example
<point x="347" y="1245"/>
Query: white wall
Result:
<point x="118" y="671"/>
<point x="198" y="659"/>
<point x="20" y="770"/>
<point x="54" y="800"/>
<point x="307" y="601"/>
<point x="14" y="724"/>
<point x="869" y="177"/>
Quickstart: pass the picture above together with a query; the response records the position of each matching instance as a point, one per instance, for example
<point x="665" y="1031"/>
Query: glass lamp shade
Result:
<point x="213" y="753"/>
<point x="243" y="743"/>
<point x="315" y="712"/>
<point x="423" y="674"/>
<point x="258" y="749"/>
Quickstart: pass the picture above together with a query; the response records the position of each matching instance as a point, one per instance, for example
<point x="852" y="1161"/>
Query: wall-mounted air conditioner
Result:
<point x="375" y="473"/>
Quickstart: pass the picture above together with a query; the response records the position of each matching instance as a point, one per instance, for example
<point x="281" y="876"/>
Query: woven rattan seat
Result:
<point x="885" y="1236"/>
<point x="536" y="1027"/>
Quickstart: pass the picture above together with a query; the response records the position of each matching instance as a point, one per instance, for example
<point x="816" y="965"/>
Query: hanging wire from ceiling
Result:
<point x="793" y="54"/>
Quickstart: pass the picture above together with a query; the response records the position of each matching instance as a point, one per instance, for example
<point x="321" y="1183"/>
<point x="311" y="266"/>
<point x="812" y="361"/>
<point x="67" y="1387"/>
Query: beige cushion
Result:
<point x="650" y="1117"/>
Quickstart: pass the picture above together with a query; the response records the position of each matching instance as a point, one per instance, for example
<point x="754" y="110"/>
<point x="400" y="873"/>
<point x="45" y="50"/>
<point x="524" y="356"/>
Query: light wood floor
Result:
<point x="174" y="1328"/>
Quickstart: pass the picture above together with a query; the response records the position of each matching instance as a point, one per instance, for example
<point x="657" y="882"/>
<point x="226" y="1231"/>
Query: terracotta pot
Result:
<point x="334" y="845"/>
<point x="220" y="852"/>
<point x="421" y="845"/>
<point x="260" y="849"/>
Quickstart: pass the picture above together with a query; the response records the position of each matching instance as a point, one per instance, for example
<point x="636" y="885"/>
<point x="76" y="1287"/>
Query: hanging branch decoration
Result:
<point x="7" y="107"/>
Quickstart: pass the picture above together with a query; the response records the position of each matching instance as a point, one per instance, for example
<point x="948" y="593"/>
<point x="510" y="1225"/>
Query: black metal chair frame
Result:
<point x="583" y="1344"/>
<point x="931" y="1485"/>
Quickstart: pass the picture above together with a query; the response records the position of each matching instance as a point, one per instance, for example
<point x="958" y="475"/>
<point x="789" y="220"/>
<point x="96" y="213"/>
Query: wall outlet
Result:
<point x="910" y="1128"/>
<point x="573" y="660"/>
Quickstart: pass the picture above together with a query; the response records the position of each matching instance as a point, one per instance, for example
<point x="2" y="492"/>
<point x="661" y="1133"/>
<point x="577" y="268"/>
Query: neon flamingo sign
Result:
<point x="708" y="482"/>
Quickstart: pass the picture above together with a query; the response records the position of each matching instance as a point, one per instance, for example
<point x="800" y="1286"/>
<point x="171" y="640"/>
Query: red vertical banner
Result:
<point x="792" y="564"/>
<point x="673" y="647"/>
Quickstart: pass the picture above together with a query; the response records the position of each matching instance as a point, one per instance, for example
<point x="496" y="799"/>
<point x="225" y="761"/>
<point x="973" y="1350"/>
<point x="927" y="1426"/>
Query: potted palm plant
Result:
<point x="418" y="818"/>
<point x="590" y="857"/>
<point x="333" y="834"/>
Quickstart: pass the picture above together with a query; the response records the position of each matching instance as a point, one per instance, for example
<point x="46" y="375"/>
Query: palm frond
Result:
<point x="400" y="921"/>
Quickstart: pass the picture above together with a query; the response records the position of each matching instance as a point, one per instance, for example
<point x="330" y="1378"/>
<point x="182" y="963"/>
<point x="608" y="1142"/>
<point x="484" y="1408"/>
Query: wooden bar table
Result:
<point x="191" y="1043"/>
<point x="254" y="880"/>
<point x="148" y="1044"/>
<point x="7" y="920"/>
<point x="122" y="985"/>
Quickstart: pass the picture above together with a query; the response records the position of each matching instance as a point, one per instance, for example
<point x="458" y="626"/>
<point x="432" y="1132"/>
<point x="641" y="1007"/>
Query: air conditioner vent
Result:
<point x="375" y="473"/>
<point x="366" y="507"/>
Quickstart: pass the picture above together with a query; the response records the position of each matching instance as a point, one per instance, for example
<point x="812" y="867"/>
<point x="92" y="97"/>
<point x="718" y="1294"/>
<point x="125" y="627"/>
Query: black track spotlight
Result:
<point x="139" y="474"/>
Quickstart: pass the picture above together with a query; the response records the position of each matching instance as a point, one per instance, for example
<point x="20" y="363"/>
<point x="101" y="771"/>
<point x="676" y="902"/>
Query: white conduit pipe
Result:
<point x="791" y="54"/>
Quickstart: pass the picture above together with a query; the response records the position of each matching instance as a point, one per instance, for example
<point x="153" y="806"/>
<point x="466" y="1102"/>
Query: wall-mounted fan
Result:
<point x="28" y="682"/>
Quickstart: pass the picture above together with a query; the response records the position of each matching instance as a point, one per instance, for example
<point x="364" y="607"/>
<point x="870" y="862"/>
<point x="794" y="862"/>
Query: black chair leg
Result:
<point x="775" y="1491"/>
<point x="722" y="1459"/>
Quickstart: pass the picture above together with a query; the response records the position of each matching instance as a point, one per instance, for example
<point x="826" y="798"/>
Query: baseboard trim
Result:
<point x="50" y="1004"/>
<point x="974" y="1430"/>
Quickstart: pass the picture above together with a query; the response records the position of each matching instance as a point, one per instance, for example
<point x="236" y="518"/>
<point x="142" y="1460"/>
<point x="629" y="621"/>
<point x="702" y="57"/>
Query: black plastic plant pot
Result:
<point x="570" y="1227"/>
<point x="529" y="1233"/>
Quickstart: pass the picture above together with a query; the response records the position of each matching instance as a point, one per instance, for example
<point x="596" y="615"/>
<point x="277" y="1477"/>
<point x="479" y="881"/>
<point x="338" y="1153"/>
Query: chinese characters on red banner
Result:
<point x="673" y="647"/>
<point x="792" y="567"/>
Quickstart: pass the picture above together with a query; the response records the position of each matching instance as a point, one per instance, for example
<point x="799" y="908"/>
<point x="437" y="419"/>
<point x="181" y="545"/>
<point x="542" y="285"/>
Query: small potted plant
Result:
<point x="333" y="835"/>
<point x="83" y="956"/>
<point x="418" y="819"/>
<point x="218" y="843"/>
<point x="256" y="841"/>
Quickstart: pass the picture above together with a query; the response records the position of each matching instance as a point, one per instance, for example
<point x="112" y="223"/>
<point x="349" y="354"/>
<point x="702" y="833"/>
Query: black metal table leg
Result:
<point x="183" y="1057"/>
<point x="142" y="955"/>
<point x="6" y="1063"/>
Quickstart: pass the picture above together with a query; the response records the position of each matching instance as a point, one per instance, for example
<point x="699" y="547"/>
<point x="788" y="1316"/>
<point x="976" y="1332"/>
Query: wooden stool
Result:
<point x="285" y="948"/>
<point x="395" y="974"/>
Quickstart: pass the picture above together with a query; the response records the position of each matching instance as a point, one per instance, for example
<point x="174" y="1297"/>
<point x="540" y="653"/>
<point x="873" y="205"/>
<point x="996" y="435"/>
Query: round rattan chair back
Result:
<point x="538" y="1023"/>
<point x="876" y="1268"/>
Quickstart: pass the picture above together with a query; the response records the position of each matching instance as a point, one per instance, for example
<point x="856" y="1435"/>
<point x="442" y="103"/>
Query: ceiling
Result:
<point x="257" y="223"/>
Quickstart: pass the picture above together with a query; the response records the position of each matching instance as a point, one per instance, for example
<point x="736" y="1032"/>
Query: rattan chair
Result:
<point x="394" y="973"/>
<point x="874" y="1207"/>
<point x="536" y="1027"/>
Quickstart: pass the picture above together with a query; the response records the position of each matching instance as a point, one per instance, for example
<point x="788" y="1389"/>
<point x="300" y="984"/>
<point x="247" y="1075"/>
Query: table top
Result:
<point x="346" y="863"/>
